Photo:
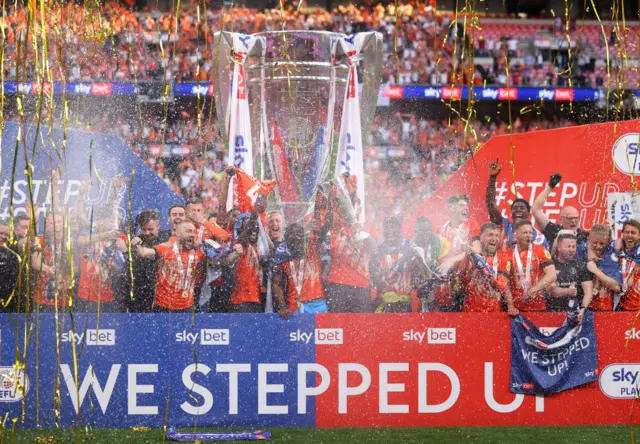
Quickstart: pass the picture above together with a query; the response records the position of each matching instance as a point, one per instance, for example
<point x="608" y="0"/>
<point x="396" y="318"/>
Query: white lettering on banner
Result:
<point x="233" y="370"/>
<point x="588" y="196"/>
<point x="101" y="337"/>
<point x="209" y="336"/>
<point x="328" y="336"/>
<point x="441" y="336"/>
<point x="264" y="388"/>
<point x="305" y="391"/>
<point x="491" y="400"/>
<point x="621" y="381"/>
<point x="134" y="389"/>
<point x="556" y="362"/>
<point x="321" y="336"/>
<point x="632" y="334"/>
<point x="414" y="335"/>
<point x="622" y="378"/>
<point x="423" y="406"/>
<point x="90" y="379"/>
<point x="185" y="336"/>
<point x="207" y="397"/>
<point x="93" y="337"/>
<point x="344" y="390"/>
<point x="68" y="191"/>
<point x="386" y="387"/>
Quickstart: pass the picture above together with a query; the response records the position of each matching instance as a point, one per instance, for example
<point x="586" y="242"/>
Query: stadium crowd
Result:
<point x="422" y="45"/>
<point x="247" y="261"/>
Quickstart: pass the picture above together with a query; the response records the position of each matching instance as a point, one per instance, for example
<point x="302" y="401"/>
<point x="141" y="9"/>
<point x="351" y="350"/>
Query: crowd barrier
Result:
<point x="325" y="370"/>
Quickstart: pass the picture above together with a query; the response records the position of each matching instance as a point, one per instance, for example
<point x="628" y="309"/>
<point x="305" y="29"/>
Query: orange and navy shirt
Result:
<point x="461" y="235"/>
<point x="484" y="289"/>
<point x="248" y="277"/>
<point x="173" y="290"/>
<point x="540" y="259"/>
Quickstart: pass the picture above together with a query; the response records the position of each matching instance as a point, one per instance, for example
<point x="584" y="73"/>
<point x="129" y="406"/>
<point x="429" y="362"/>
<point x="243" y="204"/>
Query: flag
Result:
<point x="350" y="161"/>
<point x="238" y="118"/>
<point x="550" y="364"/>
<point x="248" y="188"/>
<point x="318" y="159"/>
<point x="286" y="185"/>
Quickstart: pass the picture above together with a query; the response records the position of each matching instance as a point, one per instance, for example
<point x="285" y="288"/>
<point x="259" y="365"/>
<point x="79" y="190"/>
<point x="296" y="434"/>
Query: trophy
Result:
<point x="296" y="106"/>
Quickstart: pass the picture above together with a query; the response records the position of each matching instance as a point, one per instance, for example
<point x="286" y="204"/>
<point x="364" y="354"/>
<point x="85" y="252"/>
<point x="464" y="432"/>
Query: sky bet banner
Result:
<point x="261" y="371"/>
<point x="543" y="364"/>
<point x="105" y="158"/>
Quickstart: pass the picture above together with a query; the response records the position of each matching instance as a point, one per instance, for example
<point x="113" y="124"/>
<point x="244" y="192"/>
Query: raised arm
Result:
<point x="550" y="276"/>
<point x="490" y="195"/>
<point x="607" y="281"/>
<point x="222" y="196"/>
<point x="542" y="219"/>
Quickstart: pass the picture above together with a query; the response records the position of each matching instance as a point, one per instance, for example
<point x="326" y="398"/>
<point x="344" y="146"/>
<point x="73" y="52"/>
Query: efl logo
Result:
<point x="329" y="336"/>
<point x="14" y="385"/>
<point x="621" y="381"/>
<point x="214" y="336"/>
<point x="441" y="336"/>
<point x="101" y="337"/>
<point x="632" y="334"/>
<point x="626" y="154"/>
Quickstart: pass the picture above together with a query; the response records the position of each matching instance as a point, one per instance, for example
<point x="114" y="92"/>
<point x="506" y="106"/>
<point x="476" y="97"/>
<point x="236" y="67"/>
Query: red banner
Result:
<point x="594" y="160"/>
<point x="453" y="370"/>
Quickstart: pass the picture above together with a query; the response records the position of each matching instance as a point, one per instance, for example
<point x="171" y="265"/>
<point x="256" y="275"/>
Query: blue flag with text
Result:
<point x="542" y="364"/>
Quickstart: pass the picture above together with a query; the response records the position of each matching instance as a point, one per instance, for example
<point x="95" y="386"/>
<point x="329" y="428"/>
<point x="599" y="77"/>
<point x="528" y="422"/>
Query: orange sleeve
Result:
<point x="162" y="249"/>
<point x="218" y="233"/>
<point x="543" y="256"/>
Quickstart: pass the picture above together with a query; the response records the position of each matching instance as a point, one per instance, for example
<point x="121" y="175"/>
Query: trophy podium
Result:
<point x="280" y="98"/>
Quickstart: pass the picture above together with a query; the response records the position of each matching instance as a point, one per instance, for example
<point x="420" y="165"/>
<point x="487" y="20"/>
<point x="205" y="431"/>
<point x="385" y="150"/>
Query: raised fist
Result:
<point x="494" y="168"/>
<point x="554" y="180"/>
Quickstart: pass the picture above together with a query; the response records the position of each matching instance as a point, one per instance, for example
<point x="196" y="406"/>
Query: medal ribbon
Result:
<point x="525" y="276"/>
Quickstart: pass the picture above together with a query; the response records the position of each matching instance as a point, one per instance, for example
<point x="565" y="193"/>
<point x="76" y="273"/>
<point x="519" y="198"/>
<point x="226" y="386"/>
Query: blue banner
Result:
<point x="210" y="370"/>
<point x="489" y="93"/>
<point x="105" y="159"/>
<point x="550" y="364"/>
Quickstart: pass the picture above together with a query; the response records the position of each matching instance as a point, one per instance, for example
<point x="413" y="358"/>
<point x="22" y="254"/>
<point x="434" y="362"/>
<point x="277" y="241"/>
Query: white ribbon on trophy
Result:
<point x="238" y="119"/>
<point x="350" y="150"/>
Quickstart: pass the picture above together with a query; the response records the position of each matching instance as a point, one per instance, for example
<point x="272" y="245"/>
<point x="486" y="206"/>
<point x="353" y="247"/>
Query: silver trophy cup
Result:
<point x="295" y="85"/>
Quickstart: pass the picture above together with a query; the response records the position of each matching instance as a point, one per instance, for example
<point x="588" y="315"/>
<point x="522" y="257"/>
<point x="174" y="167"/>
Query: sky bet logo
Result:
<point x="91" y="337"/>
<point x="207" y="336"/>
<point x="432" y="335"/>
<point x="322" y="336"/>
<point x="632" y="334"/>
<point x="621" y="381"/>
